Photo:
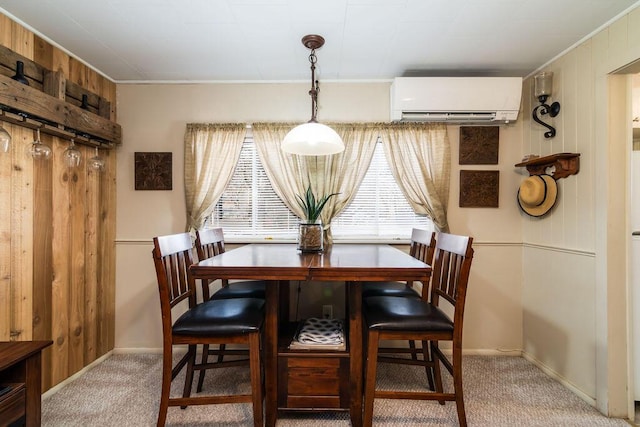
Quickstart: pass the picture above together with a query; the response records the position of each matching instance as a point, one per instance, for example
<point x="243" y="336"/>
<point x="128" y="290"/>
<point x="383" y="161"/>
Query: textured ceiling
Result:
<point x="247" y="40"/>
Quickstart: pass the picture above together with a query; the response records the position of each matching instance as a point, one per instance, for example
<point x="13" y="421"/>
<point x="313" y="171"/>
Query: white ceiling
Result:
<point x="212" y="40"/>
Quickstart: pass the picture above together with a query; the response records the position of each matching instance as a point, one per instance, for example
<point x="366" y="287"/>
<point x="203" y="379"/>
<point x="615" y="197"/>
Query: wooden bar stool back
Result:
<point x="422" y="247"/>
<point x="211" y="322"/>
<point x="209" y="243"/>
<point x="418" y="319"/>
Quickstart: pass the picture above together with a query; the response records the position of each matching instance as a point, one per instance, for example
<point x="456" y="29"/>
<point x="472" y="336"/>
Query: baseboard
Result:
<point x="53" y="390"/>
<point x="490" y="352"/>
<point x="137" y="350"/>
<point x="562" y="380"/>
<point x="446" y="349"/>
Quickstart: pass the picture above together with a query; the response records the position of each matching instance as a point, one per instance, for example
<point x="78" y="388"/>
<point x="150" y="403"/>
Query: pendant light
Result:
<point x="37" y="150"/>
<point x="312" y="138"/>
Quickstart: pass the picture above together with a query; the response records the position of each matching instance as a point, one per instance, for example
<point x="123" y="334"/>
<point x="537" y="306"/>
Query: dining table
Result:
<point x="312" y="380"/>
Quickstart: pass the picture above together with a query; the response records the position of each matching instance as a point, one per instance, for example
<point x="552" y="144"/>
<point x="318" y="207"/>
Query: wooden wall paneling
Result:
<point x="106" y="290"/>
<point x="77" y="72"/>
<point x="77" y="206"/>
<point x="61" y="268"/>
<point x="22" y="214"/>
<point x="92" y="222"/>
<point x="43" y="230"/>
<point x="21" y="236"/>
<point x="107" y="234"/>
<point x="5" y="240"/>
<point x="94" y="81"/>
<point x="5" y="213"/>
<point x="42" y="261"/>
<point x="91" y="258"/>
<point x="57" y="229"/>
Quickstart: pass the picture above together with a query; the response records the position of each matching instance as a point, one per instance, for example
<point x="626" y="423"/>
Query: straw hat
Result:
<point x="537" y="194"/>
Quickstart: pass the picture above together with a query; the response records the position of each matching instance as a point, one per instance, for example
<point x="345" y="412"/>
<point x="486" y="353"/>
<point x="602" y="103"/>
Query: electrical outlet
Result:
<point x="327" y="311"/>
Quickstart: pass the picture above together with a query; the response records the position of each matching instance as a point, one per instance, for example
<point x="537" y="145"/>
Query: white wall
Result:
<point x="574" y="289"/>
<point x="153" y="118"/>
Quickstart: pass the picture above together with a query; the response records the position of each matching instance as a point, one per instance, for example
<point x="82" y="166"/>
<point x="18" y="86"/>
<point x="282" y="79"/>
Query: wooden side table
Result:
<point x="20" y="369"/>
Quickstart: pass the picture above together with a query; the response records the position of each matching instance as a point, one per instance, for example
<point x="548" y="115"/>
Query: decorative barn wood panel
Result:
<point x="57" y="226"/>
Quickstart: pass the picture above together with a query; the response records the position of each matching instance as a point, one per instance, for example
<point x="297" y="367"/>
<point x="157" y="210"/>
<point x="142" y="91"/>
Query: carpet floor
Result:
<point x="124" y="390"/>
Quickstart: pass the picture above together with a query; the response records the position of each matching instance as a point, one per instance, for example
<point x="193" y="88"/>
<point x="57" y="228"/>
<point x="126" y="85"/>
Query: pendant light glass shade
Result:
<point x="37" y="150"/>
<point x="5" y="140"/>
<point x="312" y="139"/>
<point x="543" y="82"/>
<point x="72" y="156"/>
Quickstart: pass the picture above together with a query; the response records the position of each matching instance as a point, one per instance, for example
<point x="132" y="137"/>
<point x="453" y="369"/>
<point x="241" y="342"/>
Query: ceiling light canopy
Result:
<point x="312" y="138"/>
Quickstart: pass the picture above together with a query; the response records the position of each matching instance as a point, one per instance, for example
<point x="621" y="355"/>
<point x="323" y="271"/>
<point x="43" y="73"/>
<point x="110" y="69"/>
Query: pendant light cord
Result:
<point x="315" y="87"/>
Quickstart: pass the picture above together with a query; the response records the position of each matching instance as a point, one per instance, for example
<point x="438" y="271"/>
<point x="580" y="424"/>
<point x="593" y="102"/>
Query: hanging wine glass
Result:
<point x="96" y="162"/>
<point x="38" y="150"/>
<point x="5" y="140"/>
<point x="72" y="155"/>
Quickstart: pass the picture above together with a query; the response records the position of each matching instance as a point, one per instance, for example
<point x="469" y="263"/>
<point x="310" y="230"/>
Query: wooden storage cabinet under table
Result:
<point x="312" y="379"/>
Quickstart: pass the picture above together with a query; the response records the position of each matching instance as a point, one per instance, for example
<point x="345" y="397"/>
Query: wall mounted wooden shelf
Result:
<point x="53" y="104"/>
<point x="565" y="164"/>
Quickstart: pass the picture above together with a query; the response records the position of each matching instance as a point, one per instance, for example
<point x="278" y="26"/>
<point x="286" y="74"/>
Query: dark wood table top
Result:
<point x="12" y="352"/>
<point x="343" y="262"/>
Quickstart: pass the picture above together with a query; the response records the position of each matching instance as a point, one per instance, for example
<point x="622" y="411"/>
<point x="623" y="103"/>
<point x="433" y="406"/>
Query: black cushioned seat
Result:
<point x="244" y="289"/>
<point x="404" y="314"/>
<point x="390" y="289"/>
<point x="222" y="317"/>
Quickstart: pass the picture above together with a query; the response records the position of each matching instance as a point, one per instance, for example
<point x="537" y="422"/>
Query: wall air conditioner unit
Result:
<point x="469" y="100"/>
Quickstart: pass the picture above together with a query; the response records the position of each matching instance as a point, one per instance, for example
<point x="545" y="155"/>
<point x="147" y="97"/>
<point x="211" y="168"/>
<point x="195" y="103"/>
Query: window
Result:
<point x="379" y="209"/>
<point x="249" y="208"/>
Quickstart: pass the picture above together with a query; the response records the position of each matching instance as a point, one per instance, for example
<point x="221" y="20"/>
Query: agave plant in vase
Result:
<point x="310" y="231"/>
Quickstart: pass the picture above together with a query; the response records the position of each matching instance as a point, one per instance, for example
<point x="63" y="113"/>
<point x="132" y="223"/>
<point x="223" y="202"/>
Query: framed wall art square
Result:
<point x="479" y="145"/>
<point x="479" y="189"/>
<point x="153" y="171"/>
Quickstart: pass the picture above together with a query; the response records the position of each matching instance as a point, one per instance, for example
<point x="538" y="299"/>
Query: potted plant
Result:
<point x="310" y="231"/>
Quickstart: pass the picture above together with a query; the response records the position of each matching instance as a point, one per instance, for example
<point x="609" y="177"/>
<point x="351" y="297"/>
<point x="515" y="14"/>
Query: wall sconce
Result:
<point x="543" y="83"/>
<point x="312" y="138"/>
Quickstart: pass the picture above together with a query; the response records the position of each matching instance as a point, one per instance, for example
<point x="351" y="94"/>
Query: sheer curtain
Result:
<point x="211" y="152"/>
<point x="341" y="173"/>
<point x="420" y="159"/>
<point x="286" y="172"/>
